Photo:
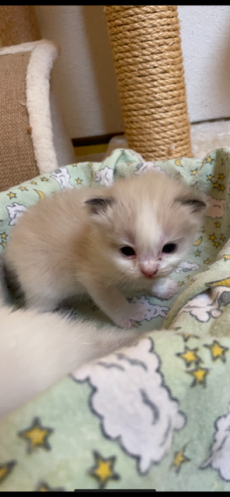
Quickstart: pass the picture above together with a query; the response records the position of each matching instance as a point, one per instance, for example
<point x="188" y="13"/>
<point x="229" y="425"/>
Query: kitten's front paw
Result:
<point x="164" y="289"/>
<point x="134" y="313"/>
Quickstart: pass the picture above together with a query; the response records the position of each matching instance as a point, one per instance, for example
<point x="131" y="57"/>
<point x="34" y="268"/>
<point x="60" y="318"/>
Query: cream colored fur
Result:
<point x="38" y="350"/>
<point x="64" y="247"/>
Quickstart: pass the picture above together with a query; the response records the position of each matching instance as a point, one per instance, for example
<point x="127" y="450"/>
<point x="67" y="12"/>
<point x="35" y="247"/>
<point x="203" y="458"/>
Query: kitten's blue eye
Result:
<point x="128" y="251"/>
<point x="169" y="248"/>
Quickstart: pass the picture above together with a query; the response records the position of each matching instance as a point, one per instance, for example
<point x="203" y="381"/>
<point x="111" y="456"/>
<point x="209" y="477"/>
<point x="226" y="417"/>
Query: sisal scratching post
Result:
<point x="148" y="59"/>
<point x="18" y="24"/>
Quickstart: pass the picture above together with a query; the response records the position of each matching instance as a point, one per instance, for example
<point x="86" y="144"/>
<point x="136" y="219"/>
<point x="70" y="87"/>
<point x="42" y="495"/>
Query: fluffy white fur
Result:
<point x="38" y="350"/>
<point x="70" y="243"/>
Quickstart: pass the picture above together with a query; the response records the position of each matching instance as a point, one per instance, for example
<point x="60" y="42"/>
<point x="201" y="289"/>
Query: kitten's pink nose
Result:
<point x="149" y="268"/>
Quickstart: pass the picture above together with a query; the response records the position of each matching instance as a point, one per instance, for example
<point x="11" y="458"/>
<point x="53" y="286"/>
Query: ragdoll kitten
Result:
<point x="98" y="241"/>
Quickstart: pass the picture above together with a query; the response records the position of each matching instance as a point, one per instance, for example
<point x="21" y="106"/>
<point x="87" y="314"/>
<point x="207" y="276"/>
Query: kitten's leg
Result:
<point x="164" y="288"/>
<point x="116" y="306"/>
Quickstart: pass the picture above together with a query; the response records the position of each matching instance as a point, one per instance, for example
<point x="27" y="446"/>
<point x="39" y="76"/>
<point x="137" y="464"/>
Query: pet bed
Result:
<point x="155" y="415"/>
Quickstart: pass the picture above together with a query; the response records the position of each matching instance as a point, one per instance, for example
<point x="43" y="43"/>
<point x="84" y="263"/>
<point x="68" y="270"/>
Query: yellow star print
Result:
<point x="197" y="253"/>
<point x="210" y="176"/>
<point x="103" y="469"/>
<point x="194" y="172"/>
<point x="222" y="237"/>
<point x="207" y="261"/>
<point x="179" y="459"/>
<point x="44" y="487"/>
<point x="212" y="237"/>
<point x="3" y="235"/>
<point x="209" y="159"/>
<point x="5" y="469"/>
<point x="186" y="336"/>
<point x="12" y="195"/>
<point x="3" y="244"/>
<point x="217" y="350"/>
<point x="44" y="179"/>
<point x="180" y="283"/>
<point x="216" y="244"/>
<point x="217" y="224"/>
<point x="216" y="185"/>
<point x="199" y="375"/>
<point x="222" y="188"/>
<point x="79" y="181"/>
<point x="36" y="435"/>
<point x="226" y="257"/>
<point x="190" y="356"/>
<point x="33" y="182"/>
<point x="22" y="188"/>
<point x="221" y="176"/>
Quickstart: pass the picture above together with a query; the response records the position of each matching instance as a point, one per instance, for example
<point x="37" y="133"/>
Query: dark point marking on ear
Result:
<point x="196" y="204"/>
<point x="99" y="205"/>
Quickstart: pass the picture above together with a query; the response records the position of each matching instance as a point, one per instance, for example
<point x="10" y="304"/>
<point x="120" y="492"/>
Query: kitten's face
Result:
<point x="147" y="230"/>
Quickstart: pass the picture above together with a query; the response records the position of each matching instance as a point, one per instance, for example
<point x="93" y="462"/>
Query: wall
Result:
<point x="84" y="74"/>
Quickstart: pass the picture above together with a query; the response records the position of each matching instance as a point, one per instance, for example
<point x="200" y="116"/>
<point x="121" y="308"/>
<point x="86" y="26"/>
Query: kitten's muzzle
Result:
<point x="149" y="268"/>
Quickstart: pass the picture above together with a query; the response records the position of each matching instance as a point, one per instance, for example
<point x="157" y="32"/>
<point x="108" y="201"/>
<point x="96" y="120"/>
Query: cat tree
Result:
<point x="146" y="47"/>
<point x="33" y="137"/>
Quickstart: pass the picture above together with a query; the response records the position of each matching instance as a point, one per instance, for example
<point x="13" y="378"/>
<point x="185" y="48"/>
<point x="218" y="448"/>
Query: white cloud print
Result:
<point x="62" y="176"/>
<point x="133" y="403"/>
<point x="220" y="449"/>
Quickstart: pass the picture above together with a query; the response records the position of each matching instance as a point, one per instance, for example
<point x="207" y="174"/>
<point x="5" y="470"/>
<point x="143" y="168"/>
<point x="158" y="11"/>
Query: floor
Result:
<point x="205" y="137"/>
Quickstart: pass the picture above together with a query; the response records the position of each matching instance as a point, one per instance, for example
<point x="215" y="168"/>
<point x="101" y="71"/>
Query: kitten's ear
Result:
<point x="99" y="205"/>
<point x="197" y="205"/>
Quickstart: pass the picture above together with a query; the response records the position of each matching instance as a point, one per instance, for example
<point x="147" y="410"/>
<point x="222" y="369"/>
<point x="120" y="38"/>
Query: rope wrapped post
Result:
<point x="148" y="60"/>
<point x="18" y="24"/>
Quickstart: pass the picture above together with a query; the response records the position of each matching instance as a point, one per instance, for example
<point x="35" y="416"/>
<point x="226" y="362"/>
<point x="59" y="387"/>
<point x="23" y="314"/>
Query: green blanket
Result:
<point x="155" y="415"/>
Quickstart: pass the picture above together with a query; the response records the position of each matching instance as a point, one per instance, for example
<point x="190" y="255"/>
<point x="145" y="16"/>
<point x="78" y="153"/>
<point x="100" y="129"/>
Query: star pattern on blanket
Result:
<point x="186" y="336"/>
<point x="221" y="176"/>
<point x="217" y="350"/>
<point x="44" y="487"/>
<point x="12" y="195"/>
<point x="179" y="459"/>
<point x="103" y="469"/>
<point x="36" y="436"/>
<point x="190" y="356"/>
<point x="199" y="374"/>
<point x="208" y="160"/>
<point x="5" y="469"/>
<point x="23" y="189"/>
